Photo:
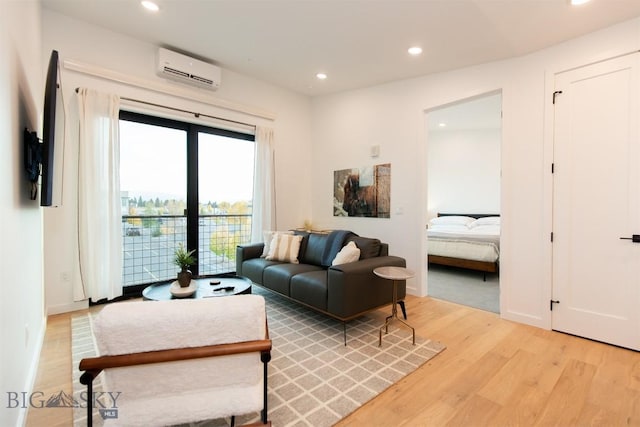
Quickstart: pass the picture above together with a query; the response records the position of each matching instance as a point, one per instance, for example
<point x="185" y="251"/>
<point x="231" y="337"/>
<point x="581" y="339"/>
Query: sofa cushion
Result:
<point x="253" y="268"/>
<point x="285" y="247"/>
<point x="278" y="276"/>
<point x="303" y="242"/>
<point x="310" y="288"/>
<point x="369" y="247"/>
<point x="314" y="250"/>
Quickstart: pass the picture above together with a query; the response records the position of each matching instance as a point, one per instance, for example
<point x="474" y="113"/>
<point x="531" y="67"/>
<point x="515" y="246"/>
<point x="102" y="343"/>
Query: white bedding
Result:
<point x="479" y="243"/>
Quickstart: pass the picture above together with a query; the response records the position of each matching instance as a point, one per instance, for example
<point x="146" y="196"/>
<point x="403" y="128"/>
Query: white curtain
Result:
<point x="264" y="190"/>
<point x="99" y="211"/>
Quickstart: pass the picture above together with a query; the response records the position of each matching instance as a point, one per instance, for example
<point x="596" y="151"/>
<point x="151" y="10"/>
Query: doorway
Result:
<point x="463" y="178"/>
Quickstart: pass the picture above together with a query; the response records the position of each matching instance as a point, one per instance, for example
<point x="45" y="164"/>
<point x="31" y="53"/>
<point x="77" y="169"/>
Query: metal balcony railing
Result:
<point x="149" y="242"/>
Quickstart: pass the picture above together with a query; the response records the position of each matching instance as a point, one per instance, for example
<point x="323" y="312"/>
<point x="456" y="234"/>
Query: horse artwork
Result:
<point x="362" y="192"/>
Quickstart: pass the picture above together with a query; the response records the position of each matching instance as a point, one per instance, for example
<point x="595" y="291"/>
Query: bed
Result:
<point x="470" y="241"/>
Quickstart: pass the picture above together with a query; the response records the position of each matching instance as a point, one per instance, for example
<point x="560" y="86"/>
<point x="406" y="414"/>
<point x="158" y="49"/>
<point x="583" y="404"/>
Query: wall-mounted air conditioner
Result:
<point x="182" y="68"/>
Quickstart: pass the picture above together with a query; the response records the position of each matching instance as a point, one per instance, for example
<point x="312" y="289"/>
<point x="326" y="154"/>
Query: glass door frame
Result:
<point x="192" y="202"/>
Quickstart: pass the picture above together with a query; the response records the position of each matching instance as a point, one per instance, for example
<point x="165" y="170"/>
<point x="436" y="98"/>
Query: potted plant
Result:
<point x="184" y="259"/>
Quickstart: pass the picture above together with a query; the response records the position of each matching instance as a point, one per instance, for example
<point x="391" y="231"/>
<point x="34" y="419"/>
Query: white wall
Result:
<point x="79" y="41"/>
<point x="463" y="171"/>
<point x="22" y="320"/>
<point x="345" y="125"/>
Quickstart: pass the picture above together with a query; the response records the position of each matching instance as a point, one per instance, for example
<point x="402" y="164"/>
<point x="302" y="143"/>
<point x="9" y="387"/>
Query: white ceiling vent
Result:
<point x="182" y="68"/>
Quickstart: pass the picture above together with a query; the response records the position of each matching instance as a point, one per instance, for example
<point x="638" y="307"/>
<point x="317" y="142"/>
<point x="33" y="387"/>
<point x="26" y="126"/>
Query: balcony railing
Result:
<point x="149" y="242"/>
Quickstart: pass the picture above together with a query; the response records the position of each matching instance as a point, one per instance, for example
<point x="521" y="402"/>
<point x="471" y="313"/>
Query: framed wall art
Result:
<point x="362" y="192"/>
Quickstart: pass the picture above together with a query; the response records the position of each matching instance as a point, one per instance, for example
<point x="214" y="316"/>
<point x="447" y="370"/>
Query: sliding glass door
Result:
<point x="225" y="194"/>
<point x="186" y="184"/>
<point x="153" y="183"/>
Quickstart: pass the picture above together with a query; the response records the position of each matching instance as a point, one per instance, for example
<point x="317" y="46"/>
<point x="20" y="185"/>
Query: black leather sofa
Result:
<point x="343" y="291"/>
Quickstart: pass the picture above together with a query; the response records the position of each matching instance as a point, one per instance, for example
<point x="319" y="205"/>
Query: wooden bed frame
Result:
<point x="484" y="266"/>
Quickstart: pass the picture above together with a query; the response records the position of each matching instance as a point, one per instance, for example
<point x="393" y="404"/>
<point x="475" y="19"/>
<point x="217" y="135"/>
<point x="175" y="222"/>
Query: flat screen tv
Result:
<point x="52" y="138"/>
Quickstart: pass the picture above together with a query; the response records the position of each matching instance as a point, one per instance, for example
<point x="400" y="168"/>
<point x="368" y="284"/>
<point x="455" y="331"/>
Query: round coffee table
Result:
<point x="229" y="285"/>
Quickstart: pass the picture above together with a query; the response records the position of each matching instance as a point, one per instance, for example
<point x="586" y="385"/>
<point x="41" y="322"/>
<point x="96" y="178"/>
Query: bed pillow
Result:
<point x="487" y="220"/>
<point x="486" y="230"/>
<point x="268" y="238"/>
<point x="349" y="253"/>
<point x="452" y="220"/>
<point x="449" y="228"/>
<point x="285" y="248"/>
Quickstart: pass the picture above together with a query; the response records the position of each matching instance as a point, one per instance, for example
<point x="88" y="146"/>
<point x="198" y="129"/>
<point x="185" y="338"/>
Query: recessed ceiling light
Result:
<point x="578" y="2"/>
<point x="442" y="125"/>
<point x="415" y="50"/>
<point x="321" y="76"/>
<point x="149" y="5"/>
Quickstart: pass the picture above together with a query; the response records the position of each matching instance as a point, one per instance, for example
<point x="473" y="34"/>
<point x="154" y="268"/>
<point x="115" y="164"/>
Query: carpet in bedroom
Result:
<point x="314" y="380"/>
<point x="464" y="287"/>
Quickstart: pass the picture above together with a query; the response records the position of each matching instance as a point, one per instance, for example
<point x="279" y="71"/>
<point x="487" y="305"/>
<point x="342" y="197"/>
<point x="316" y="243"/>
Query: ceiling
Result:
<point x="357" y="43"/>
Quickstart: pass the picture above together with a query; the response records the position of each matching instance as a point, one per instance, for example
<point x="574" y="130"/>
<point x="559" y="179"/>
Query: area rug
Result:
<point x="314" y="379"/>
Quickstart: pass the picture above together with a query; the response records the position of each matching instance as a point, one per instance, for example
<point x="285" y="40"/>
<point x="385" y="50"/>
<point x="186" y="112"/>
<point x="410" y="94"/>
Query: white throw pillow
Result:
<point x="268" y="238"/>
<point x="349" y="253"/>
<point x="284" y="247"/>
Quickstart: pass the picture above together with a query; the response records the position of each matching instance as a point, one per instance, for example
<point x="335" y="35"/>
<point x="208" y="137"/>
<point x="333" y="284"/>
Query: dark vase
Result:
<point x="184" y="277"/>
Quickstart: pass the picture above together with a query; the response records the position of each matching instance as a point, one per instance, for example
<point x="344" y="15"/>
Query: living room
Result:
<point x="315" y="136"/>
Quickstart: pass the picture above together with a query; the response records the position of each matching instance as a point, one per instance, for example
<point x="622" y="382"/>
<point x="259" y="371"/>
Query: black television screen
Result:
<point x="49" y="132"/>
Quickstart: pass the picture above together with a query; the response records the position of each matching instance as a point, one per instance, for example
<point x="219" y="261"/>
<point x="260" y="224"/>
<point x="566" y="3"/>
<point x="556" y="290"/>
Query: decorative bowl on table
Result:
<point x="180" y="292"/>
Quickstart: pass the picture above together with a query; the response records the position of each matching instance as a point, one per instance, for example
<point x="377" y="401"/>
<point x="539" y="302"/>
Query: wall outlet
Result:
<point x="65" y="276"/>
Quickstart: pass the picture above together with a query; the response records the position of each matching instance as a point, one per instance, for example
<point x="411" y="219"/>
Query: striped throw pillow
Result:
<point x="285" y="247"/>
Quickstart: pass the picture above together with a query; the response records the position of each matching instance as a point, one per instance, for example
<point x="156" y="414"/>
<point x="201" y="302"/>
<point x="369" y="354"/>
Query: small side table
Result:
<point x="395" y="274"/>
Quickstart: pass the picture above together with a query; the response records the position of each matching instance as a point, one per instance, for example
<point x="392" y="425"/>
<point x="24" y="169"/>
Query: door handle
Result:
<point x="635" y="238"/>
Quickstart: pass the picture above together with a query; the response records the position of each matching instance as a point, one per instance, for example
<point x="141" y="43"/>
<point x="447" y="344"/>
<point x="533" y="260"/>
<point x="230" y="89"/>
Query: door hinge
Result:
<point x="552" y="236"/>
<point x="553" y="167"/>
<point x="556" y="93"/>
<point x="551" y="302"/>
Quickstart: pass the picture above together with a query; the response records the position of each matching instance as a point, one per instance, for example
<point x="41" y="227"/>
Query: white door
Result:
<point x="596" y="274"/>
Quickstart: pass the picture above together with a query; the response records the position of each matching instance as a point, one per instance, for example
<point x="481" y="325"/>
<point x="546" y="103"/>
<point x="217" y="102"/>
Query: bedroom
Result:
<point x="463" y="164"/>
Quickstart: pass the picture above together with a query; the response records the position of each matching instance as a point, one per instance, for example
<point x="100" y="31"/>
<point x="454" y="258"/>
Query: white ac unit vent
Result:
<point x="182" y="68"/>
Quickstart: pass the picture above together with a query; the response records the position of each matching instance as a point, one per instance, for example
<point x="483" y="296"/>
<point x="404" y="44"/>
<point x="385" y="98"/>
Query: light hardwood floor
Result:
<point x="493" y="372"/>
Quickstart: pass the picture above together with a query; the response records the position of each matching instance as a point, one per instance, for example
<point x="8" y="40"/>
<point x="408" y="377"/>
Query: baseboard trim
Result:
<point x="523" y="318"/>
<point x="33" y="371"/>
<point x="66" y="308"/>
<point x="412" y="290"/>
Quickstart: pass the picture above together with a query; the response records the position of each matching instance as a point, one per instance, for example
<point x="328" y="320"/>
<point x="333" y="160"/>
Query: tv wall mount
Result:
<point x="32" y="160"/>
